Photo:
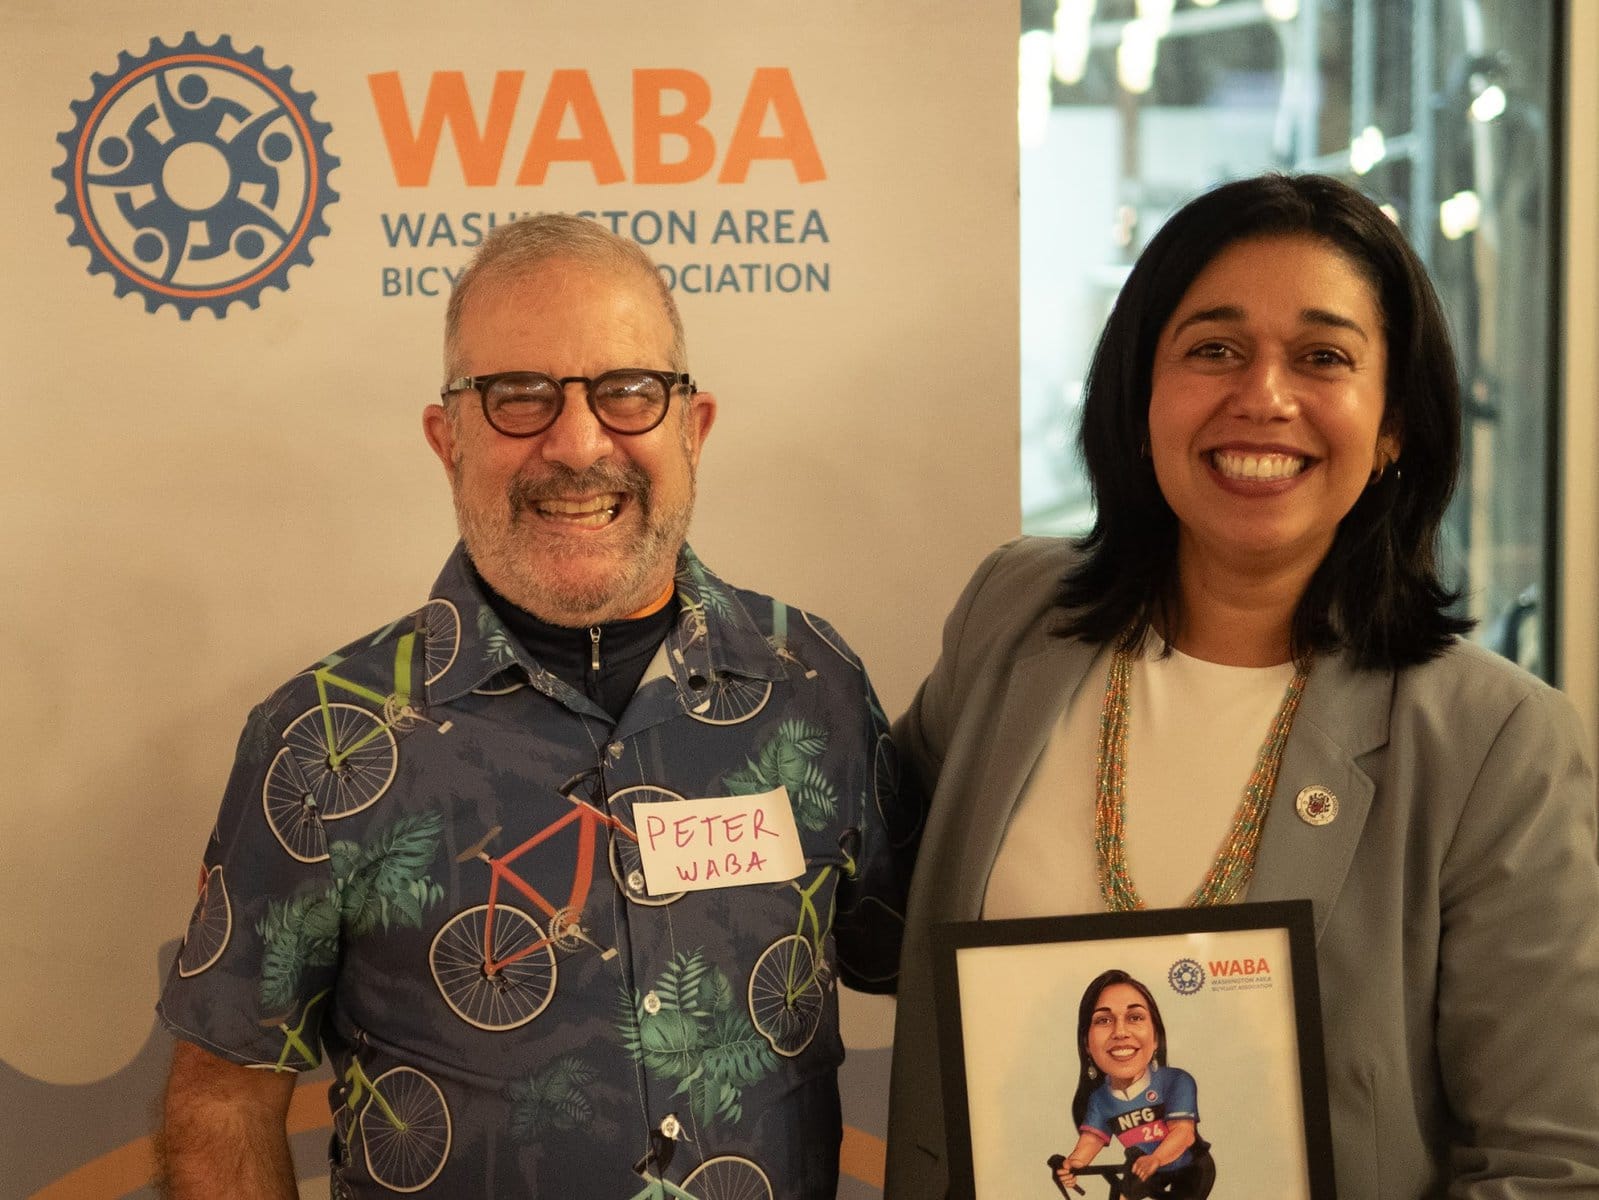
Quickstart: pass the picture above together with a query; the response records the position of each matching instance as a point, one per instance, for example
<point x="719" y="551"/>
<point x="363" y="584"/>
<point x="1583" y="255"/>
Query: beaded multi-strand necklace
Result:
<point x="1235" y="861"/>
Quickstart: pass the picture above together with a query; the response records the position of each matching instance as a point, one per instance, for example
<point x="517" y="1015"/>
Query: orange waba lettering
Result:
<point x="772" y="91"/>
<point x="570" y="91"/>
<point x="651" y="127"/>
<point x="412" y="150"/>
<point x="672" y="141"/>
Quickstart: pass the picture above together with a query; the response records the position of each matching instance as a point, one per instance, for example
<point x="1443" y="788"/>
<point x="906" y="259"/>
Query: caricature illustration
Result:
<point x="1128" y="1093"/>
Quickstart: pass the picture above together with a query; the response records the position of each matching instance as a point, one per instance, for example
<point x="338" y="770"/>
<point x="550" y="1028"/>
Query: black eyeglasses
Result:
<point x="524" y="403"/>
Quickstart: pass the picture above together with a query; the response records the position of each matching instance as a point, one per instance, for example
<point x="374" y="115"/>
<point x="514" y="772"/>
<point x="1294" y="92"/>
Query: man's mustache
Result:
<point x="560" y="482"/>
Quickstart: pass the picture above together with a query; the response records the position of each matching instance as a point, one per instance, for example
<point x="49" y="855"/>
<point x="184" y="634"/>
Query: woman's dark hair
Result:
<point x="1086" y="1083"/>
<point x="1377" y="591"/>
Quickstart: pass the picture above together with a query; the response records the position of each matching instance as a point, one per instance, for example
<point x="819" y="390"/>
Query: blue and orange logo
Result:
<point x="196" y="176"/>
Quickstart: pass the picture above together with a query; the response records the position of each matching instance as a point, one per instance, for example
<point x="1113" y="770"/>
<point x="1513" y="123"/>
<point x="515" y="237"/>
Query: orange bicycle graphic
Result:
<point x="494" y="964"/>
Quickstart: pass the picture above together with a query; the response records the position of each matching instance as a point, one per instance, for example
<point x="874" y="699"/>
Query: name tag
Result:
<point x="724" y="841"/>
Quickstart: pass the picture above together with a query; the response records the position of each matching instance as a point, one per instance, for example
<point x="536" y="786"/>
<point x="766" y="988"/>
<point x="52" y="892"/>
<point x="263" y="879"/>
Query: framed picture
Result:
<point x="1101" y="1037"/>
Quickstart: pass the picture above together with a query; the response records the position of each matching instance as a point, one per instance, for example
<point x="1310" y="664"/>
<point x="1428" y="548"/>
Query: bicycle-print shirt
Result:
<point x="369" y="891"/>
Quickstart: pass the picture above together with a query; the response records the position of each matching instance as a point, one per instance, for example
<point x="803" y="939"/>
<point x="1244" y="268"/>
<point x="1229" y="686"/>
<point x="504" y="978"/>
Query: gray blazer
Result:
<point x="1456" y="894"/>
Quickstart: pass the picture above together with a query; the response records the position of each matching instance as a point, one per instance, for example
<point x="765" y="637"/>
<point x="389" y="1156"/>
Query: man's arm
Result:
<point x="223" y="1130"/>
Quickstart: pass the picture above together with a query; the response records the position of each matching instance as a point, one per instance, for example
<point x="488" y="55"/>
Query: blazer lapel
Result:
<point x="1343" y="715"/>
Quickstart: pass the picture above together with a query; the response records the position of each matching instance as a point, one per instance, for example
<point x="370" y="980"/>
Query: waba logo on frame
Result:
<point x="1186" y="977"/>
<point x="196" y="176"/>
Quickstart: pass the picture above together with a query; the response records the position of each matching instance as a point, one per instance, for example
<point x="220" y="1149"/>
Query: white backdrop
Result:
<point x="197" y="504"/>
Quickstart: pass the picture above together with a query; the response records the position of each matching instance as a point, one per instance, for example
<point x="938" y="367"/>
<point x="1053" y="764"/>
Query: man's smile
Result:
<point x="590" y="512"/>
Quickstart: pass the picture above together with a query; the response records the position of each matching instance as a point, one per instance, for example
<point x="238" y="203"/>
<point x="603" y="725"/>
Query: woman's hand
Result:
<point x="1064" y="1174"/>
<point x="1179" y="1136"/>
<point x="1083" y="1153"/>
<point x="1144" y="1166"/>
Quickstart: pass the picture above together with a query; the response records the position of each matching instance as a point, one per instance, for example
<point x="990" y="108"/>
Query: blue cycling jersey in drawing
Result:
<point x="1167" y="1094"/>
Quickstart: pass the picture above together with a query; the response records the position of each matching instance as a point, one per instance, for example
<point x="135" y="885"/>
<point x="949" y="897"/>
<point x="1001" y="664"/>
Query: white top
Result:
<point x="1193" y="737"/>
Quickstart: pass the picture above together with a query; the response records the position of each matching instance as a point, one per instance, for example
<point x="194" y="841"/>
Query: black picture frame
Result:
<point x="1236" y="987"/>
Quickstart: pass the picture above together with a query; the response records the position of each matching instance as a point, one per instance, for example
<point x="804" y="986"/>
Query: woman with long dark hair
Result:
<point x="1248" y="681"/>
<point x="1129" y="1094"/>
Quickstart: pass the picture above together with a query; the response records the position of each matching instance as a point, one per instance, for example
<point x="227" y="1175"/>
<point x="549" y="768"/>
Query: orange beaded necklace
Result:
<point x="1235" y="861"/>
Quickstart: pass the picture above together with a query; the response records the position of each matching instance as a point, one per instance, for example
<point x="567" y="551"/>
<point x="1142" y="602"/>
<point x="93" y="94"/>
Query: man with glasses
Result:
<point x="562" y="869"/>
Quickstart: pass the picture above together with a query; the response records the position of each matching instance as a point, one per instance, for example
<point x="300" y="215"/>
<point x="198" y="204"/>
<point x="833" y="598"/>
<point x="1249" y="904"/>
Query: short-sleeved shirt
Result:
<point x="426" y="865"/>
<point x="1141" y="1120"/>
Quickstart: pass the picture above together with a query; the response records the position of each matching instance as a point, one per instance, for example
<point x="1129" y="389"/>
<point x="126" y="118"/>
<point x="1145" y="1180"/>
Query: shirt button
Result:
<point x="698" y="682"/>
<point x="652" y="1005"/>
<point x="671" y="1126"/>
<point x="615" y="749"/>
<point x="635" y="882"/>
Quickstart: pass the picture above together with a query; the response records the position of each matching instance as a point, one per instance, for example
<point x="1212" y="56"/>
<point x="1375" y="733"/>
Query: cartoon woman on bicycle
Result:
<point x="1128" y="1093"/>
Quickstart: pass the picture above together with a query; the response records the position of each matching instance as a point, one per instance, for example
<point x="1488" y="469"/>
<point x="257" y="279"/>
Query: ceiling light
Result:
<point x="1367" y="150"/>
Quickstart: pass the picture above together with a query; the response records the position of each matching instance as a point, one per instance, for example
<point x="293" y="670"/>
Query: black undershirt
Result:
<point x="624" y="649"/>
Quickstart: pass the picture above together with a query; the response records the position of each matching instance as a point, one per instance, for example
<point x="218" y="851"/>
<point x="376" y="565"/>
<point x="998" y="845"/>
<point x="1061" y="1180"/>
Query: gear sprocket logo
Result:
<point x="1186" y="977"/>
<point x="196" y="176"/>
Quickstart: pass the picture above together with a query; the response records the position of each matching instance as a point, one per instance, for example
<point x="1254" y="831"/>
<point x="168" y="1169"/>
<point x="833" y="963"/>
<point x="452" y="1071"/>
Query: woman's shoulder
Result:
<point x="1026" y="567"/>
<point x="1034" y="552"/>
<point x="1471" y="675"/>
<point x="1013" y="592"/>
<point x="1460" y="705"/>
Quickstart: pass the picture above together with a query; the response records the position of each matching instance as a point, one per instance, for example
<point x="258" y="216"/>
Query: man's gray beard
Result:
<point x="497" y="545"/>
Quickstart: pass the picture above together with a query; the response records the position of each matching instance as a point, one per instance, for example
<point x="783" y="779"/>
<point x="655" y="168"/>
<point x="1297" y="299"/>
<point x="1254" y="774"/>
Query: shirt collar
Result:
<point x="714" y="635"/>
<point x="1140" y="1085"/>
